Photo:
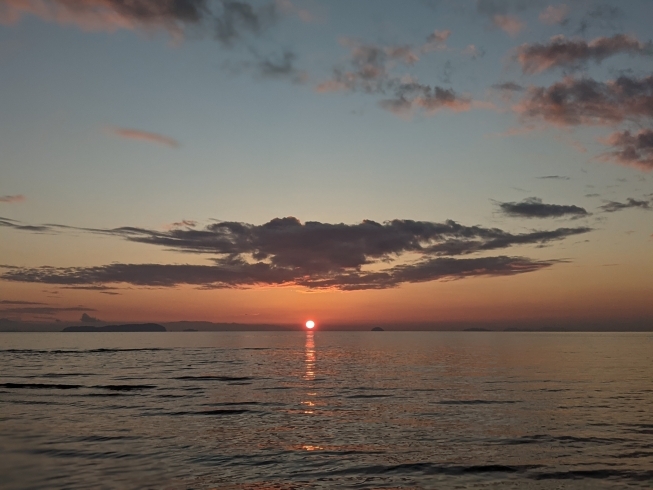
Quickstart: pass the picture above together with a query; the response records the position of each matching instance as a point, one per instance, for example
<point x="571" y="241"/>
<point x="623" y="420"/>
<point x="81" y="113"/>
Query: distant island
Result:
<point x="477" y="329"/>
<point x="135" y="327"/>
<point x="377" y="329"/>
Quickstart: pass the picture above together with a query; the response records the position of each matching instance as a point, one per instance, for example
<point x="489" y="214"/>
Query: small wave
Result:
<point x="370" y="396"/>
<point x="432" y="469"/>
<point x="540" y="438"/>
<point x="476" y="402"/>
<point x="40" y="386"/>
<point x="70" y="453"/>
<point x="125" y="387"/>
<point x="600" y="474"/>
<point x="59" y="386"/>
<point x="212" y="412"/>
<point x="214" y="378"/>
<point x="77" y="351"/>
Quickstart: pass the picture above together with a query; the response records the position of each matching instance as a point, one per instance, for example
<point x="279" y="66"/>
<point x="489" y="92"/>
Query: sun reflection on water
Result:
<point x="309" y="373"/>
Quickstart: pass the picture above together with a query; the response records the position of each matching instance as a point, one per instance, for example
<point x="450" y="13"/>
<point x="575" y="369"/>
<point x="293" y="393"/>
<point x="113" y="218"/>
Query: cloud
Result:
<point x="561" y="52"/>
<point x="635" y="150"/>
<point x="510" y="24"/>
<point x="436" y="41"/>
<point x="88" y="318"/>
<point x="16" y="225"/>
<point x="285" y="251"/>
<point x="184" y="223"/>
<point x="110" y="15"/>
<point x="228" y="20"/>
<point x="9" y="302"/>
<point x="533" y="207"/>
<point x="553" y="177"/>
<point x="369" y="67"/>
<point x="575" y="101"/>
<point x="603" y="14"/>
<point x="279" y="67"/>
<point x="554" y="14"/>
<point x="135" y="134"/>
<point x="244" y="275"/>
<point x="12" y="199"/>
<point x="613" y="206"/>
<point x="43" y="310"/>
<point x="238" y="18"/>
<point x="370" y="72"/>
<point x="508" y="87"/>
<point x="415" y="96"/>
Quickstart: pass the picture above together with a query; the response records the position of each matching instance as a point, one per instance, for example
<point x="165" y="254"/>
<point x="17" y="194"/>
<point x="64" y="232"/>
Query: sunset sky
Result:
<point x="355" y="162"/>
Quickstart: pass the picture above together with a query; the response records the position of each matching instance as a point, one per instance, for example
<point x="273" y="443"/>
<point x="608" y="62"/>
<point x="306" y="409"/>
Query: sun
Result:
<point x="310" y="324"/>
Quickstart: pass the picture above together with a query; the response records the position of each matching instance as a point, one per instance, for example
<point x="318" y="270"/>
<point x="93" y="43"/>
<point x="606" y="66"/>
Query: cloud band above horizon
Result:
<point x="314" y="255"/>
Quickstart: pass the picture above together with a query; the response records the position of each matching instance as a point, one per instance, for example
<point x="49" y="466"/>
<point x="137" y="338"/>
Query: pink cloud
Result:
<point x="12" y="199"/>
<point x="631" y="149"/>
<point x="136" y="134"/>
<point x="510" y="24"/>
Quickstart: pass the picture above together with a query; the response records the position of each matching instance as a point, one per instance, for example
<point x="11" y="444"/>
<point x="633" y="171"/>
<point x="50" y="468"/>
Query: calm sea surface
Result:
<point x="261" y="410"/>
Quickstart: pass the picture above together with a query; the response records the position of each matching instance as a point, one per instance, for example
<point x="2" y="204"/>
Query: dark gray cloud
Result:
<point x="238" y="18"/>
<point x="586" y="101"/>
<point x="10" y="223"/>
<point x="561" y="52"/>
<point x="241" y="274"/>
<point x="553" y="177"/>
<point x="311" y="254"/>
<point x="533" y="207"/>
<point x="508" y="87"/>
<point x="15" y="303"/>
<point x="43" y="310"/>
<point x="88" y="318"/>
<point x="632" y="149"/>
<point x="613" y="206"/>
<point x="280" y="66"/>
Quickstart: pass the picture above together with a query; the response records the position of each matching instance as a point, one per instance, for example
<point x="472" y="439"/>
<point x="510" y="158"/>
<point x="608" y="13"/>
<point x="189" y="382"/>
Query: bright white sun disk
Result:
<point x="310" y="324"/>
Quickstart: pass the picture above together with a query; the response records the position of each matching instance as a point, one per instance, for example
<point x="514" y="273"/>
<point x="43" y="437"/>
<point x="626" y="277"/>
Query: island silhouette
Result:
<point x="134" y="327"/>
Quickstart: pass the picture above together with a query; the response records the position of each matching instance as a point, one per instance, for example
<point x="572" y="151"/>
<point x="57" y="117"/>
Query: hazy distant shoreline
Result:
<point x="7" y="325"/>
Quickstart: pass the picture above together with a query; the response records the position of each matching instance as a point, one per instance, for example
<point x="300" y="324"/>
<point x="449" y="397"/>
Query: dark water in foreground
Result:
<point x="364" y="410"/>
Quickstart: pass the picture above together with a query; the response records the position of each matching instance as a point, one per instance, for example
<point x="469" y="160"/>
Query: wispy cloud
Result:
<point x="561" y="52"/>
<point x="43" y="310"/>
<point x="136" y="134"/>
<point x="533" y="207"/>
<point x="370" y="71"/>
<point x="12" y="199"/>
<point x="510" y="24"/>
<point x="613" y="206"/>
<point x="553" y="177"/>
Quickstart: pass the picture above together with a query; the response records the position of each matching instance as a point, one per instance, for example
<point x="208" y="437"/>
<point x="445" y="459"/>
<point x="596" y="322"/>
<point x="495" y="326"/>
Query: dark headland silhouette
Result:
<point x="134" y="327"/>
<point x="377" y="329"/>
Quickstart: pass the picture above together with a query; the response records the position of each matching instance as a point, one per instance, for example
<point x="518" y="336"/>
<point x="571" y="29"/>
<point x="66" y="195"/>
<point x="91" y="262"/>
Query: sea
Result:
<point x="326" y="410"/>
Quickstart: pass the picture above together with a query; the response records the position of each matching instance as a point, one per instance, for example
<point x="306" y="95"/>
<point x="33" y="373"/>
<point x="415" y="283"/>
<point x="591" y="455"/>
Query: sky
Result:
<point x="411" y="162"/>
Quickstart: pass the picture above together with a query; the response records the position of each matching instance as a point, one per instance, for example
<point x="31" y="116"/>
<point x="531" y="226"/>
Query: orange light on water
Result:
<point x="310" y="324"/>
